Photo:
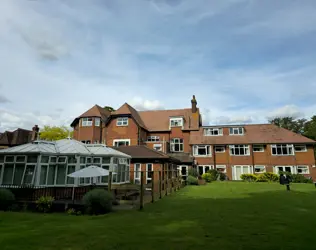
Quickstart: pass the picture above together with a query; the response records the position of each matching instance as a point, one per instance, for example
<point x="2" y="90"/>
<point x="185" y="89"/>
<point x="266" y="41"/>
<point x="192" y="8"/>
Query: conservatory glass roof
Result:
<point x="64" y="146"/>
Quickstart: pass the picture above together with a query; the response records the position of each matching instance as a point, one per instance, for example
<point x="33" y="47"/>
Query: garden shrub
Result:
<point x="268" y="176"/>
<point x="261" y="178"/>
<point x="45" y="203"/>
<point x="207" y="177"/>
<point x="214" y="174"/>
<point x="192" y="180"/>
<point x="193" y="172"/>
<point x="98" y="201"/>
<point x="248" y="177"/>
<point x="7" y="198"/>
<point x="222" y="176"/>
<point x="299" y="178"/>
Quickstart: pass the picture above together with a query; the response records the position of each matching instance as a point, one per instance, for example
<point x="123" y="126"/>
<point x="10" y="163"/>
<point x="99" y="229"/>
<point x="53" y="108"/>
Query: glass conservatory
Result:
<point x="43" y="163"/>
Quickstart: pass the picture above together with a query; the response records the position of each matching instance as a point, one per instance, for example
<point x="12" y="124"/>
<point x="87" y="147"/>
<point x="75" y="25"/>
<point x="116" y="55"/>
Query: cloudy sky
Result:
<point x="245" y="60"/>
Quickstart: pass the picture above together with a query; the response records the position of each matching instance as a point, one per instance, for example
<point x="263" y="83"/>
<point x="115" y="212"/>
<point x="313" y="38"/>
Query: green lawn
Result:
<point x="221" y="216"/>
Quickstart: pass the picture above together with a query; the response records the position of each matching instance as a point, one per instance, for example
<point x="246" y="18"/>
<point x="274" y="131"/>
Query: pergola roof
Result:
<point x="64" y="146"/>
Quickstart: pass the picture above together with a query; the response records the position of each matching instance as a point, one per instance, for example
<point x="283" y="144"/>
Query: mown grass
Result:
<point x="226" y="215"/>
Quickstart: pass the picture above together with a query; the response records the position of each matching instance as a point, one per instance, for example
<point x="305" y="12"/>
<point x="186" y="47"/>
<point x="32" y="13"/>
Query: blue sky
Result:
<point x="245" y="60"/>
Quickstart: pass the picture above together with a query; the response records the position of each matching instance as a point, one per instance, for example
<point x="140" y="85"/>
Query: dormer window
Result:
<point x="176" y="122"/>
<point x="86" y="122"/>
<point x="236" y="131"/>
<point x="122" y="121"/>
<point x="213" y="131"/>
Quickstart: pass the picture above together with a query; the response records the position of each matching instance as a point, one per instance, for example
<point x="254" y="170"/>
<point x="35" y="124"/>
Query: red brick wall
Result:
<point x="91" y="133"/>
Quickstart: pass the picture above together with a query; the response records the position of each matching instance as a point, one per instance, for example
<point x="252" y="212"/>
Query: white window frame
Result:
<point x="219" y="152"/>
<point x="86" y="121"/>
<point x="302" y="166"/>
<point x="258" y="146"/>
<point x="232" y="150"/>
<point x="204" y="167"/>
<point x="276" y="169"/>
<point x="243" y="166"/>
<point x="240" y="131"/>
<point x="176" y="122"/>
<point x="288" y="147"/>
<point x="221" y="166"/>
<point x="122" y="140"/>
<point x="97" y="121"/>
<point x="136" y="165"/>
<point x="211" y="131"/>
<point x="152" y="169"/>
<point x="259" y="167"/>
<point x="153" y="138"/>
<point x="156" y="146"/>
<point x="122" y="121"/>
<point x="302" y="146"/>
<point x="197" y="147"/>
<point x="173" y="143"/>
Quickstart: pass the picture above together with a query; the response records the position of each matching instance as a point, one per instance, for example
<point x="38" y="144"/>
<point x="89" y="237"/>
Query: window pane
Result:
<point x="96" y="160"/>
<point x="51" y="175"/>
<point x="18" y="174"/>
<point x="53" y="159"/>
<point x="106" y="160"/>
<point x="21" y="158"/>
<point x="61" y="174"/>
<point x="28" y="176"/>
<point x="44" y="159"/>
<point x="71" y="169"/>
<point x="32" y="158"/>
<point x="1" y="158"/>
<point x="62" y="159"/>
<point x="8" y="174"/>
<point x="43" y="175"/>
<point x="72" y="159"/>
<point x="119" y="170"/>
<point x="9" y="158"/>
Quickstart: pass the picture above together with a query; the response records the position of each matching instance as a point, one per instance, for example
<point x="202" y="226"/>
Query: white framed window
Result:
<point x="238" y="170"/>
<point x="278" y="169"/>
<point x="86" y="122"/>
<point x="122" y="121"/>
<point x="258" y="169"/>
<point x="282" y="149"/>
<point x="97" y="121"/>
<point x="121" y="142"/>
<point x="300" y="148"/>
<point x="153" y="138"/>
<point x="258" y="148"/>
<point x="158" y="147"/>
<point x="137" y="170"/>
<point x="149" y="173"/>
<point x="202" y="169"/>
<point x="176" y="122"/>
<point x="213" y="131"/>
<point x="236" y="131"/>
<point x="239" y="150"/>
<point x="221" y="168"/>
<point x="302" y="169"/>
<point x="176" y="145"/>
<point x="202" y="150"/>
<point x="219" y="149"/>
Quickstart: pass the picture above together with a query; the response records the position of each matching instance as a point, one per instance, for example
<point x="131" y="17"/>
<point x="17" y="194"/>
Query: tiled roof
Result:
<point x="144" y="152"/>
<point x="127" y="109"/>
<point x="95" y="111"/>
<point x="16" y="137"/>
<point x="254" y="134"/>
<point x="158" y="120"/>
<point x="182" y="157"/>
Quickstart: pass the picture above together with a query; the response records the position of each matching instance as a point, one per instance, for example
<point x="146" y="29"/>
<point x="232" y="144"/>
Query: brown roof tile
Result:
<point x="127" y="109"/>
<point x="16" y="137"/>
<point x="263" y="133"/>
<point x="95" y="111"/>
<point x="158" y="120"/>
<point x="144" y="152"/>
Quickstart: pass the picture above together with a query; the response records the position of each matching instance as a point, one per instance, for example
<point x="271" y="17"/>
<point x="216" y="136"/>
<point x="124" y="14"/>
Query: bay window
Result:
<point x="202" y="150"/>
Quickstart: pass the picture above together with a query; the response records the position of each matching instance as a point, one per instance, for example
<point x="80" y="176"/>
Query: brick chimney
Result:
<point x="35" y="131"/>
<point x="194" y="103"/>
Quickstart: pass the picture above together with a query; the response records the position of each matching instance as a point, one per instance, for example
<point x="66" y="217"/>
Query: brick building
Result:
<point x="18" y="137"/>
<point x="179" y="133"/>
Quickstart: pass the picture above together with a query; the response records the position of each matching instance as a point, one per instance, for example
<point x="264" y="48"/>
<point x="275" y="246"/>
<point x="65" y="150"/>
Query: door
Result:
<point x="239" y="170"/>
<point x="183" y="172"/>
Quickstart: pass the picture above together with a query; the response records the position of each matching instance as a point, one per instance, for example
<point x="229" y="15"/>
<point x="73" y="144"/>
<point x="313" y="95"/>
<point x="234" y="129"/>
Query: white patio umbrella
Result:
<point x="91" y="171"/>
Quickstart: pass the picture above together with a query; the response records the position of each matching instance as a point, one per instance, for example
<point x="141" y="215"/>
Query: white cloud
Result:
<point x="141" y="104"/>
<point x="286" y="111"/>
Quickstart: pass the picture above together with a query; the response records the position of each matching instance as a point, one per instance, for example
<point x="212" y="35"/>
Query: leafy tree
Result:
<point x="109" y="108"/>
<point x="310" y="128"/>
<point x="297" y="126"/>
<point x="53" y="133"/>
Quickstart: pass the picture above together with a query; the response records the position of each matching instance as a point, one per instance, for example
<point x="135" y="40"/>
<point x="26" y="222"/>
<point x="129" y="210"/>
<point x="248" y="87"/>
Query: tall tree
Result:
<point x="297" y="126"/>
<point x="310" y="128"/>
<point x="109" y="108"/>
<point x="53" y="133"/>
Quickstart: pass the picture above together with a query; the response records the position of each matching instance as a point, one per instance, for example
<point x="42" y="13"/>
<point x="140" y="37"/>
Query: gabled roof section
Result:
<point x="158" y="120"/>
<point x="127" y="109"/>
<point x="95" y="111"/>
<point x="16" y="137"/>
<point x="254" y="134"/>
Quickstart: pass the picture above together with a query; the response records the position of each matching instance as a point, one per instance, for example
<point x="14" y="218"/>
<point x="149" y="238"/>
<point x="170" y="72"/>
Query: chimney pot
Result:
<point x="193" y="104"/>
<point x="35" y="131"/>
